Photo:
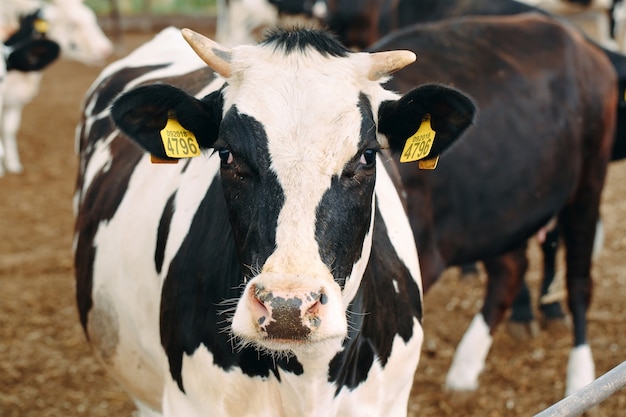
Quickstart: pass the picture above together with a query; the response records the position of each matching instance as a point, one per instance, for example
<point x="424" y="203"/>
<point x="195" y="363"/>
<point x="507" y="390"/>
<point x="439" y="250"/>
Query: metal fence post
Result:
<point x="590" y="395"/>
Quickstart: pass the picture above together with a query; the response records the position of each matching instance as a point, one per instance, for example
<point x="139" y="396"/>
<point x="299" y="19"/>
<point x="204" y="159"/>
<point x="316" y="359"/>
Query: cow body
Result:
<point x="405" y="13"/>
<point x="72" y="25"/>
<point x="298" y="294"/>
<point x="361" y="23"/>
<point x="540" y="150"/>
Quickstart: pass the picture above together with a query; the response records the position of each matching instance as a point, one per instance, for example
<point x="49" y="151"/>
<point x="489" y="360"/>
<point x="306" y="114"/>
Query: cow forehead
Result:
<point x="307" y="103"/>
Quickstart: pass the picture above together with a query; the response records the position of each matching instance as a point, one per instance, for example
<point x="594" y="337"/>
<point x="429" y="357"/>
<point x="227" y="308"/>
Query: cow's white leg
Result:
<point x="470" y="355"/>
<point x="1" y="157"/>
<point x="580" y="369"/>
<point x="12" y="116"/>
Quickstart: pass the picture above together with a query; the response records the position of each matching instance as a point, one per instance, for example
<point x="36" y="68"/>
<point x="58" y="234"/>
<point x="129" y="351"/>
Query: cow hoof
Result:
<point x="458" y="399"/>
<point x="14" y="168"/>
<point x="523" y="330"/>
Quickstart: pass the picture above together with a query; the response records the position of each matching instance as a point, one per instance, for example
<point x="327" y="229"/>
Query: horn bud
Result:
<point x="215" y="55"/>
<point x="386" y="63"/>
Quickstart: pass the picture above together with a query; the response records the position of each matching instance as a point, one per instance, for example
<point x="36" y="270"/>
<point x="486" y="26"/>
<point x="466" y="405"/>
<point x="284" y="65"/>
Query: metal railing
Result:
<point x="589" y="396"/>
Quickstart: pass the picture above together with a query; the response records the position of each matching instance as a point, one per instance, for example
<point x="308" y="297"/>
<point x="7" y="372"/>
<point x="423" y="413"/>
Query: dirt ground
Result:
<point x="46" y="367"/>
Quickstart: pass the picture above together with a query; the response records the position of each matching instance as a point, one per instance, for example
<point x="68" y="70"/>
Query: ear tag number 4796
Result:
<point x="178" y="141"/>
<point x="419" y="145"/>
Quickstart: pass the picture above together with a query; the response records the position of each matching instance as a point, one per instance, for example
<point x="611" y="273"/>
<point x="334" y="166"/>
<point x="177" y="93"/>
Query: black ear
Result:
<point x="33" y="56"/>
<point x="451" y="112"/>
<point x="143" y="112"/>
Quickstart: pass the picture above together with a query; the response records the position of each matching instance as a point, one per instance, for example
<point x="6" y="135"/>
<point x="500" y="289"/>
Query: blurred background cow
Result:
<point x="71" y="24"/>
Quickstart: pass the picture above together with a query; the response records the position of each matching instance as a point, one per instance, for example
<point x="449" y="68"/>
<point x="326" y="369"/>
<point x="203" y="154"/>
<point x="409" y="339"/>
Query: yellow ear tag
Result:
<point x="41" y="26"/>
<point x="430" y="163"/>
<point x="419" y="145"/>
<point x="178" y="141"/>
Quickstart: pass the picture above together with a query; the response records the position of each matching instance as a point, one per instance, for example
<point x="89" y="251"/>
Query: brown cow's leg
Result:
<point x="522" y="324"/>
<point x="579" y="225"/>
<point x="504" y="280"/>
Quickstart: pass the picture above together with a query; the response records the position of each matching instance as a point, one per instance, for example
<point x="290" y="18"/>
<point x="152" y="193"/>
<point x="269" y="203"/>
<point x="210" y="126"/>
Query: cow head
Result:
<point x="74" y="26"/>
<point x="298" y="127"/>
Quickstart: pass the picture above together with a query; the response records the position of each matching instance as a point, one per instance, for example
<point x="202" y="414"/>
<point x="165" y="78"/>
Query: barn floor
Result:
<point x="46" y="368"/>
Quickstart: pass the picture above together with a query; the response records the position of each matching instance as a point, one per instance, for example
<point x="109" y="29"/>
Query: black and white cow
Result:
<point x="276" y="272"/>
<point x="23" y="50"/>
<point x="71" y="24"/>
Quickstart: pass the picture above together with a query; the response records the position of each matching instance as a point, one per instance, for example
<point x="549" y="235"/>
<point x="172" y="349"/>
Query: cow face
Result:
<point x="298" y="127"/>
<point x="74" y="26"/>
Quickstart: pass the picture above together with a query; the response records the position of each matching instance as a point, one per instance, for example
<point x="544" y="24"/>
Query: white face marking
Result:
<point x="308" y="106"/>
<point x="312" y="132"/>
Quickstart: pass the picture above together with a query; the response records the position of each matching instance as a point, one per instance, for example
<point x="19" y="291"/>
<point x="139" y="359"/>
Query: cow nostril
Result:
<point x="257" y="305"/>
<point x="313" y="310"/>
<point x="323" y="298"/>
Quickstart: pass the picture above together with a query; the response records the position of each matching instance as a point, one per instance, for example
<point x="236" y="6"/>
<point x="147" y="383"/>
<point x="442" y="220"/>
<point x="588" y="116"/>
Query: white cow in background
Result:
<point x="74" y="27"/>
<point x="241" y="22"/>
<point x="592" y="16"/>
<point x="23" y="49"/>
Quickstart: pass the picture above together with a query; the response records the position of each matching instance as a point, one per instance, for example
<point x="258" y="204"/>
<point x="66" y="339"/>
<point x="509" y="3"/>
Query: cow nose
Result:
<point x="288" y="315"/>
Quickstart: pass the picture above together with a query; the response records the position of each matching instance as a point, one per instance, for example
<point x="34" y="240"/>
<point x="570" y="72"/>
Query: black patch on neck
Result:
<point x="163" y="232"/>
<point x="204" y="274"/>
<point x="300" y="40"/>
<point x="377" y="314"/>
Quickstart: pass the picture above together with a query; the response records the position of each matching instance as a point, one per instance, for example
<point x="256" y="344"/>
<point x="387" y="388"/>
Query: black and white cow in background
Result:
<point x="275" y="274"/>
<point x="23" y="49"/>
<point x="72" y="25"/>
<point x="241" y="22"/>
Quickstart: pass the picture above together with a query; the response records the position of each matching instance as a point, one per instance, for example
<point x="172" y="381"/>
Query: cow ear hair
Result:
<point x="450" y="110"/>
<point x="142" y="113"/>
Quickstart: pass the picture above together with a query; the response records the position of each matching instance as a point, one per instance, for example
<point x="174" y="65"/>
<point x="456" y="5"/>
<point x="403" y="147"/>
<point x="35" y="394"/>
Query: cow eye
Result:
<point x="368" y="158"/>
<point x="226" y="156"/>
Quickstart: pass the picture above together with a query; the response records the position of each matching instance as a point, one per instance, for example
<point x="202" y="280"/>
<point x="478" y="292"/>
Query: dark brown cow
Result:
<point x="358" y="26"/>
<point x="359" y="23"/>
<point x="540" y="149"/>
